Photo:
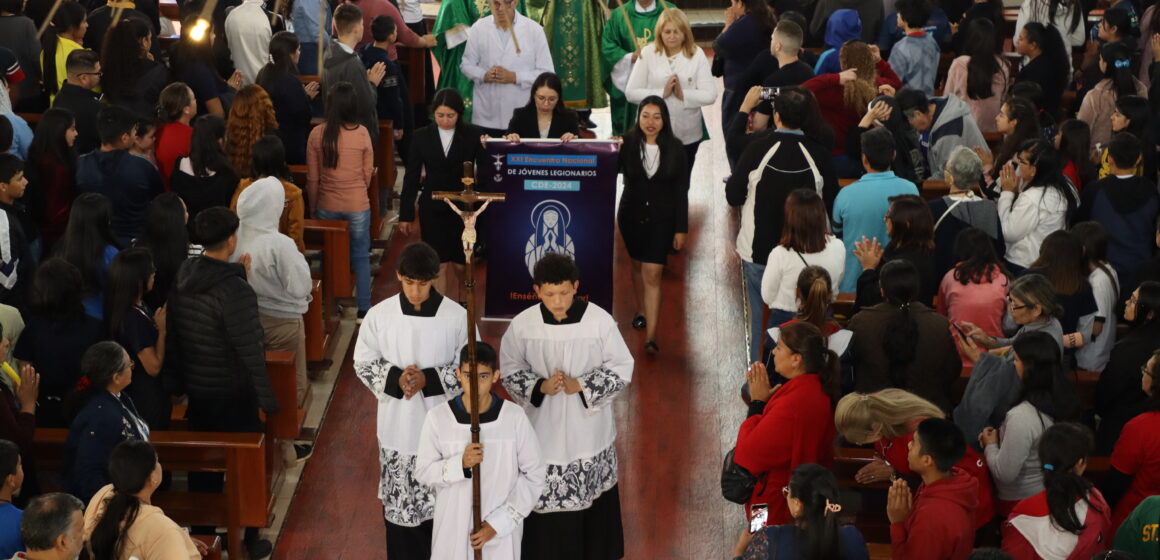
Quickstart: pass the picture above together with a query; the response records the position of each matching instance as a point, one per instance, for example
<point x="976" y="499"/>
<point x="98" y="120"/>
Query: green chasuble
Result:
<point x="617" y="42"/>
<point x="573" y="28"/>
<point x="451" y="25"/>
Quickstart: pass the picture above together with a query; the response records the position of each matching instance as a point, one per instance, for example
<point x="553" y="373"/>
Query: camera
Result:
<point x="769" y="93"/>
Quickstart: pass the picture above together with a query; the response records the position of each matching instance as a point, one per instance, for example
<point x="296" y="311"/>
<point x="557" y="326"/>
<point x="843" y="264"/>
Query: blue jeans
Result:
<point x="360" y="250"/>
<point x="752" y="273"/>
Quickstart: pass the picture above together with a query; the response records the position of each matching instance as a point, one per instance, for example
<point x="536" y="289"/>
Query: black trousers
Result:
<point x="591" y="534"/>
<point x="410" y="543"/>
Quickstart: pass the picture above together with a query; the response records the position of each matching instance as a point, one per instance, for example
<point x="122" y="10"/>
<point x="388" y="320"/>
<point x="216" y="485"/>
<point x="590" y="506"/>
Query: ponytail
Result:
<point x="1061" y="448"/>
<point x="68" y="16"/>
<point x="815" y="292"/>
<point x="131" y="464"/>
<point x="1118" y="68"/>
<point x="806" y="340"/>
<point x="817" y="489"/>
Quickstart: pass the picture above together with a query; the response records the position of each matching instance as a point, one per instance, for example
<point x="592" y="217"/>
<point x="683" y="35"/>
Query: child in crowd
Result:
<point x="16" y="227"/>
<point x="513" y="469"/>
<point x="937" y="521"/>
<point x="915" y="58"/>
<point x="392" y="90"/>
<point x="144" y="139"/>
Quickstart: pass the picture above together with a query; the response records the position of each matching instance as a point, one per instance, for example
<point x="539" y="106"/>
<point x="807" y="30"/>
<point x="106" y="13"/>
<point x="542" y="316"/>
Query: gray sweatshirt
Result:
<point x="279" y="273"/>
<point x="1014" y="462"/>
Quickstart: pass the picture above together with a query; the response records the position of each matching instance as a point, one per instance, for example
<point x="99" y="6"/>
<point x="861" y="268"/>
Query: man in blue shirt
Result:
<point x="861" y="207"/>
<point x="11" y="478"/>
<point x="128" y="181"/>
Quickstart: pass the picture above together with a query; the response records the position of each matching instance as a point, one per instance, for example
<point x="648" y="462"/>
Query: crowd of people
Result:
<point x="149" y="215"/>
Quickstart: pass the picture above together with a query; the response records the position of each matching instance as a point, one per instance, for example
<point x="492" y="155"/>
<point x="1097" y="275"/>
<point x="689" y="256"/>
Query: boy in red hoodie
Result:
<point x="939" y="520"/>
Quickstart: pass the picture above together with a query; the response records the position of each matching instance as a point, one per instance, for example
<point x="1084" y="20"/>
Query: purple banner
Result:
<point x="561" y="198"/>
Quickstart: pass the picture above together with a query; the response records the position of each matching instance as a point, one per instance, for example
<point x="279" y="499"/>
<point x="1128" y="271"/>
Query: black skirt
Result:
<point x="595" y="533"/>
<point x="442" y="229"/>
<point x="646" y="238"/>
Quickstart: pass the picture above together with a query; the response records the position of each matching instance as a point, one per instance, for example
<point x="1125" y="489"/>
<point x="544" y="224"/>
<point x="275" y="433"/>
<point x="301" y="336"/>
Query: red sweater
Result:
<point x="828" y="90"/>
<point x="895" y="450"/>
<point x="796" y="427"/>
<point x="941" y="522"/>
<point x="172" y="144"/>
<point x="1029" y="533"/>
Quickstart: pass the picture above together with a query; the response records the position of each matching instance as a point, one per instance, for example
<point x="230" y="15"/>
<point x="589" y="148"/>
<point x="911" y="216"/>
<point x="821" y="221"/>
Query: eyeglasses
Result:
<point x="1013" y="306"/>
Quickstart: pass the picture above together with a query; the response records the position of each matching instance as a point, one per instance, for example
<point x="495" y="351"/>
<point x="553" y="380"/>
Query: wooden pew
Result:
<point x="247" y="500"/>
<point x="332" y="237"/>
<point x="318" y="338"/>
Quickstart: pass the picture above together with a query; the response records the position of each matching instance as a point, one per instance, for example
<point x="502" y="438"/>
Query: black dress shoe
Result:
<point x="651" y="347"/>
<point x="638" y="322"/>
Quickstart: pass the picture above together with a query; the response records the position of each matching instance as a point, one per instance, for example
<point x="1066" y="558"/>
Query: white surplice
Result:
<point x="577" y="432"/>
<point x="391" y="338"/>
<point x="511" y="479"/>
<point x="488" y="46"/>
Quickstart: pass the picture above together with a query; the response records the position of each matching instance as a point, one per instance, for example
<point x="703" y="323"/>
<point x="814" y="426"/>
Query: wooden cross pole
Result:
<point x="469" y="197"/>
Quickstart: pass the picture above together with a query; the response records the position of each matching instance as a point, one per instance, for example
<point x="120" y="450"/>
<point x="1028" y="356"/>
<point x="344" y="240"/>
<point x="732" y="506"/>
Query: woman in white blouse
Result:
<point x="676" y="70"/>
<point x="1036" y="199"/>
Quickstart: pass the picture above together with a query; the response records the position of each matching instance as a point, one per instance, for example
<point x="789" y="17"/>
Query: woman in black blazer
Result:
<point x="291" y="99"/>
<point x="108" y="418"/>
<point x="654" y="209"/>
<point x="545" y="111"/>
<point x="440" y="149"/>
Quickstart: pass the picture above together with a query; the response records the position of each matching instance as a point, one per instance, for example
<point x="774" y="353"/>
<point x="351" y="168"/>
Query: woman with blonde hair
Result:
<point x="888" y="419"/>
<point x="844" y="96"/>
<point x="251" y="117"/>
<point x="676" y="70"/>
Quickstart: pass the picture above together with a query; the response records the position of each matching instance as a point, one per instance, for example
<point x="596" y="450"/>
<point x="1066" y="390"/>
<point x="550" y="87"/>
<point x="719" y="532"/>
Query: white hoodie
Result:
<point x="278" y="273"/>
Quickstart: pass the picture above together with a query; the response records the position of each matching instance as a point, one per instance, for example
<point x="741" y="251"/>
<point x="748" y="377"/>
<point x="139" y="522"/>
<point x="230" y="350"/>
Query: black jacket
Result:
<point x="215" y="337"/>
<point x="84" y="104"/>
<point x="525" y="123"/>
<point x="444" y="172"/>
<point x="1119" y="397"/>
<point x="103" y="423"/>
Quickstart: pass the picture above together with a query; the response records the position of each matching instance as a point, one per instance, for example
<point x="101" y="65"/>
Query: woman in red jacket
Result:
<point x="888" y="419"/>
<point x="1069" y="519"/>
<point x="791" y="424"/>
<point x="844" y="97"/>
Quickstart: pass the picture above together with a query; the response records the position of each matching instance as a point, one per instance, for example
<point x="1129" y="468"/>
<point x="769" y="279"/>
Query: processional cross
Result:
<point x="469" y="197"/>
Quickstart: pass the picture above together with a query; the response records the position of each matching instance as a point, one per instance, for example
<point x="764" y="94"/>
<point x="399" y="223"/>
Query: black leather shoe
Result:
<point x="638" y="322"/>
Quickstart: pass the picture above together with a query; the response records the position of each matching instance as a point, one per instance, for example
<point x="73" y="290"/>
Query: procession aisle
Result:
<point x="676" y="420"/>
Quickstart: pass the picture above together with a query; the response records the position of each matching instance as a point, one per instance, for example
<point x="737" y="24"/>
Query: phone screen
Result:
<point x="760" y="513"/>
<point x="960" y="329"/>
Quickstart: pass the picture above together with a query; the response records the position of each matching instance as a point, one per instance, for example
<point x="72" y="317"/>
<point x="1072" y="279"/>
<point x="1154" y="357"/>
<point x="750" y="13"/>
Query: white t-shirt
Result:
<point x="1094" y="354"/>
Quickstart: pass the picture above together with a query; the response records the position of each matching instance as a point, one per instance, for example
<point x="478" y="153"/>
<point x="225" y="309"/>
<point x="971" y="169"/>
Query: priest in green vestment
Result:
<point x="573" y="29"/>
<point x="451" y="25"/>
<point x="629" y="28"/>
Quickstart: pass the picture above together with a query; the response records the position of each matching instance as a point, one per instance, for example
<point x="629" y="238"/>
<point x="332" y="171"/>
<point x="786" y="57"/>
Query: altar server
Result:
<point x="567" y="362"/>
<point x="508" y="455"/>
<point x="406" y="354"/>
<point x="505" y="53"/>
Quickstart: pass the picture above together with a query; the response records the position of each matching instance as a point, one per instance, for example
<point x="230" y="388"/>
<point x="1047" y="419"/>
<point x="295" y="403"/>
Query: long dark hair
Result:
<point x="671" y="151"/>
<point x="57" y="291"/>
<point x="900" y="283"/>
<point x="1061" y="260"/>
<point x="128" y="281"/>
<point x="913" y="225"/>
<point x="68" y="16"/>
<point x="205" y="147"/>
<point x="551" y="81"/>
<point x="976" y="258"/>
<point x="1139" y="115"/>
<point x="1061" y="447"/>
<point x="1044" y="385"/>
<point x="87" y="235"/>
<point x="1118" y="68"/>
<point x="167" y="239"/>
<point x="269" y="159"/>
<point x="1094" y="239"/>
<point x="983" y="49"/>
<point x="1049" y="172"/>
<point x="1075" y="142"/>
<point x="1050" y="44"/>
<point x="131" y="464"/>
<point x="1148" y="303"/>
<point x="815" y="290"/>
<point x="50" y="139"/>
<point x="1026" y="118"/>
<point x="450" y="98"/>
<point x="806" y="340"/>
<point x="1071" y="5"/>
<point x="816" y="488"/>
<point x="122" y="58"/>
<point x="341" y="112"/>
<point x="283" y="45"/>
<point x="761" y="13"/>
<point x="189" y="52"/>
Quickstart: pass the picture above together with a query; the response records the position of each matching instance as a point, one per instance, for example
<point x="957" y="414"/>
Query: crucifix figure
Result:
<point x="469" y="197"/>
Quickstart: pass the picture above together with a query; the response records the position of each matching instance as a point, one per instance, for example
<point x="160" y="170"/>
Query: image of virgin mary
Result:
<point x="550" y="221"/>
